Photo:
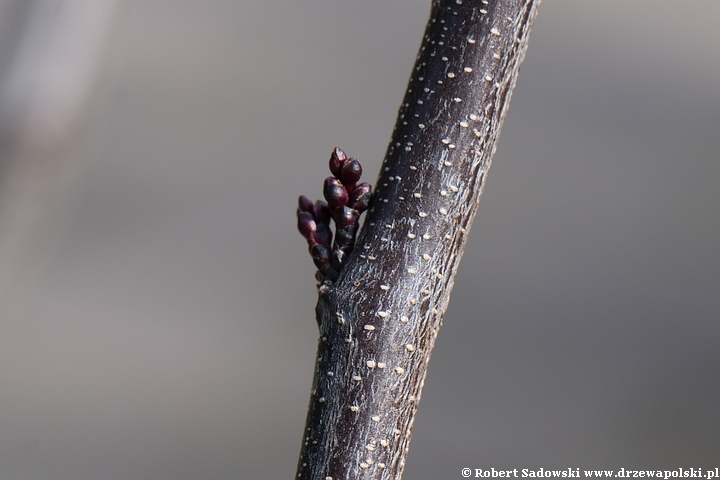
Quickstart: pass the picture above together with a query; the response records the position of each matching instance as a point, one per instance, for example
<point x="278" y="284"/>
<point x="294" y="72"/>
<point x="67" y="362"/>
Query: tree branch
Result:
<point x="379" y="320"/>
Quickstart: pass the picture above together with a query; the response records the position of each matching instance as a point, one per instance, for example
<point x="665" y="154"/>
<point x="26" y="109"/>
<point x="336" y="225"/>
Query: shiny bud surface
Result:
<point x="346" y="216"/>
<point x="360" y="197"/>
<point x="350" y="173"/>
<point x="304" y="204"/>
<point x="323" y="234"/>
<point x="337" y="159"/>
<point x="306" y="224"/>
<point x="335" y="193"/>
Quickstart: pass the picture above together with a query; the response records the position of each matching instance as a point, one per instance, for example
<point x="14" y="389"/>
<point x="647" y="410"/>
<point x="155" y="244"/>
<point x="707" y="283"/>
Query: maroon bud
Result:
<point x="322" y="212"/>
<point x="360" y="197"/>
<point x="306" y="224"/>
<point x="320" y="255"/>
<point x="350" y="173"/>
<point x="346" y="200"/>
<point x="335" y="193"/>
<point x="304" y="204"/>
<point x="346" y="216"/>
<point x="322" y="234"/>
<point x="337" y="159"/>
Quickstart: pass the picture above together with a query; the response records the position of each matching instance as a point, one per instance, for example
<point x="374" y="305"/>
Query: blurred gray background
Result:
<point x="157" y="318"/>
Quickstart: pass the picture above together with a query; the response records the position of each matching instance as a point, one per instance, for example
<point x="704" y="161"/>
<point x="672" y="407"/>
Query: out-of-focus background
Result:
<point x="157" y="301"/>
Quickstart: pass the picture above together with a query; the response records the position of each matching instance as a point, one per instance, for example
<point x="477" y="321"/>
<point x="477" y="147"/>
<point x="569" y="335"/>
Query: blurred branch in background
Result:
<point x="51" y="52"/>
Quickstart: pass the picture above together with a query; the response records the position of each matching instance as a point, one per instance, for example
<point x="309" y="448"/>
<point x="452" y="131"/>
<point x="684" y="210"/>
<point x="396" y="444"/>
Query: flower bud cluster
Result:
<point x="346" y="200"/>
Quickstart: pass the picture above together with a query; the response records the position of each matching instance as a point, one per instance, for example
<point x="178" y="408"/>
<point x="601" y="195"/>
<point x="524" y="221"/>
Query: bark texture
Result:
<point x="379" y="320"/>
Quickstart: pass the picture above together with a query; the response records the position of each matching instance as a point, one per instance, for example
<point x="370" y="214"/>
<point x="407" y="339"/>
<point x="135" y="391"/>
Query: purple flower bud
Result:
<point x="346" y="216"/>
<point x="346" y="200"/>
<point x="337" y="159"/>
<point x="306" y="224"/>
<point x="320" y="255"/>
<point x="304" y="204"/>
<point x="360" y="197"/>
<point x="350" y="173"/>
<point x="335" y="193"/>
<point x="322" y="212"/>
<point x="323" y="234"/>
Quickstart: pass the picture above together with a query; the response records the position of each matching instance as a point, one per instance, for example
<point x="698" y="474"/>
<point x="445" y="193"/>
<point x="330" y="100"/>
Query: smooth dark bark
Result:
<point x="379" y="320"/>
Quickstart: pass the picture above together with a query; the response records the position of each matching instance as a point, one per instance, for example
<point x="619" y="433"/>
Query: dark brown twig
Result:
<point x="379" y="319"/>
